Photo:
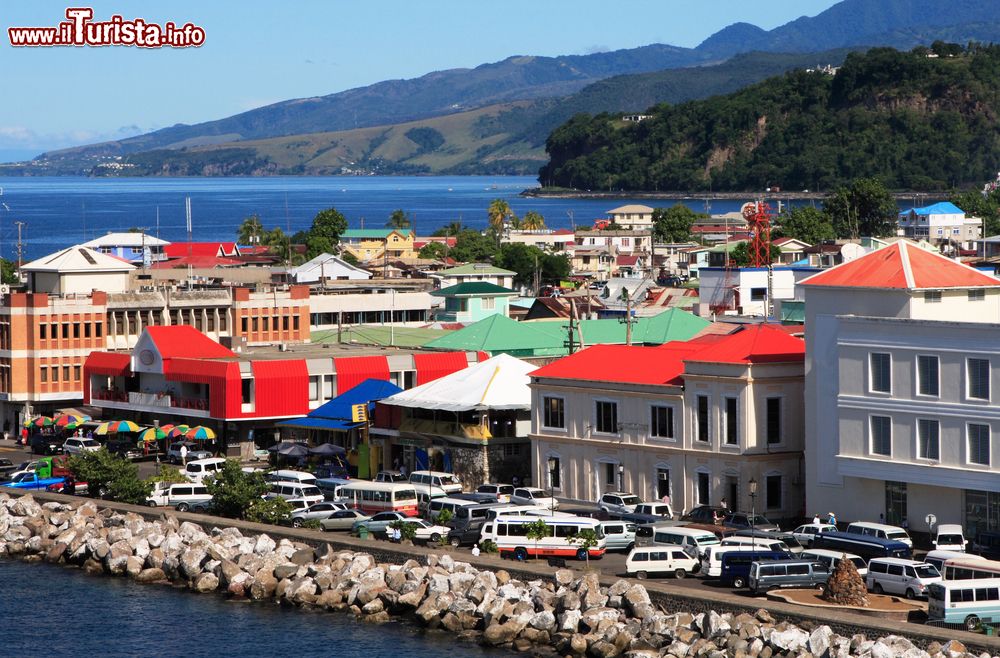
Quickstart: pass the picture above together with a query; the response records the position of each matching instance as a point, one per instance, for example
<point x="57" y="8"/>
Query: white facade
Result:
<point x="940" y="223"/>
<point x="633" y="216"/>
<point x="622" y="242"/>
<point x="744" y="289"/>
<point x="327" y="267"/>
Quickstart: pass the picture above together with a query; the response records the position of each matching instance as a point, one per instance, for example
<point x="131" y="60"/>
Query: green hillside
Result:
<point x="916" y="122"/>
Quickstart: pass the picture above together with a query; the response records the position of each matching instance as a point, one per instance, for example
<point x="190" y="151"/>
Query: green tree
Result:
<point x="863" y="208"/>
<point x="434" y="251"/>
<point x="234" y="492"/>
<point x="524" y="259"/>
<point x="169" y="474"/>
<point x="398" y="220"/>
<point x="499" y="214"/>
<point x="107" y="474"/>
<point x="324" y="234"/>
<point x="350" y="258"/>
<point x="449" y="230"/>
<point x="532" y="221"/>
<point x="740" y="255"/>
<point x="474" y="247"/>
<point x="272" y="511"/>
<point x="585" y="539"/>
<point x="536" y="531"/>
<point x="279" y="244"/>
<point x="805" y="223"/>
<point x="8" y="271"/>
<point x="673" y="224"/>
<point x="444" y="516"/>
<point x="251" y="231"/>
<point x="985" y="205"/>
<point x="407" y="531"/>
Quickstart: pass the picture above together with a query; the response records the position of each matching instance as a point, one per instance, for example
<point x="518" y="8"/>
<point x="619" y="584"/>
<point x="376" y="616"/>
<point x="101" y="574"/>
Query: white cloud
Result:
<point x="21" y="137"/>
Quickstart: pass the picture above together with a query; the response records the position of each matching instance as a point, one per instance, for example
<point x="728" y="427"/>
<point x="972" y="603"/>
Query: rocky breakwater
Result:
<point x="564" y="615"/>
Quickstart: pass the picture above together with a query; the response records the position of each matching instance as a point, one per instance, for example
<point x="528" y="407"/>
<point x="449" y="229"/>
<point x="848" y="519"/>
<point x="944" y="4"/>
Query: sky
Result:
<point x="258" y="52"/>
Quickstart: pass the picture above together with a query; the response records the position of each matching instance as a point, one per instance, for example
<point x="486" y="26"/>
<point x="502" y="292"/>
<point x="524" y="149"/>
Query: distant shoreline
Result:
<point x="542" y="193"/>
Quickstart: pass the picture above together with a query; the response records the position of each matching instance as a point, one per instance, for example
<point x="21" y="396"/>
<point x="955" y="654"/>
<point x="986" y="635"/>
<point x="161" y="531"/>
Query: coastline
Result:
<point x="543" y="193"/>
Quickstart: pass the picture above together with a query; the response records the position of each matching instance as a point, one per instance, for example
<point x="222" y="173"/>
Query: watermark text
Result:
<point x="79" y="29"/>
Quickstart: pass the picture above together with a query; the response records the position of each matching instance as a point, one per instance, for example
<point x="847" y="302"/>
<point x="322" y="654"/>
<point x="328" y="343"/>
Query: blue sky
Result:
<point x="259" y="52"/>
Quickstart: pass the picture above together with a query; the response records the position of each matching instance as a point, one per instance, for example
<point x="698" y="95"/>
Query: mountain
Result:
<point x="917" y="120"/>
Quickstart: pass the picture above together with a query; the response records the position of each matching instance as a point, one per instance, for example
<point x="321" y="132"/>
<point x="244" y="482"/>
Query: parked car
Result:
<point x="619" y="535"/>
<point x="199" y="469"/>
<point x="29" y="480"/>
<point x="950" y="537"/>
<point x="390" y="476"/>
<point x="652" y="561"/>
<point x="45" y="444"/>
<point x="743" y="520"/>
<point x="475" y="497"/>
<point x="466" y="534"/>
<point x="342" y="519"/>
<point x="662" y="510"/>
<point x="736" y="565"/>
<point x="897" y="576"/>
<point x="593" y="513"/>
<point x="77" y="446"/>
<point x="427" y="531"/>
<point x="766" y="576"/>
<point x="502" y="492"/>
<point x="316" y="511"/>
<point x="706" y="514"/>
<point x="78" y="488"/>
<point x="533" y="496"/>
<point x="126" y="448"/>
<point x="807" y="532"/>
<point x="194" y="452"/>
<point x="619" y="502"/>
<point x="378" y="523"/>
<point x="6" y="467"/>
<point x="880" y="530"/>
<point x="831" y="558"/>
<point x="439" y="479"/>
<point x="179" y="495"/>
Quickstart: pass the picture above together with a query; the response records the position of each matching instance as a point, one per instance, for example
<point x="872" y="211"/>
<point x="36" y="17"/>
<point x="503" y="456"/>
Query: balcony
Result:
<point x="445" y="428"/>
<point x="150" y="399"/>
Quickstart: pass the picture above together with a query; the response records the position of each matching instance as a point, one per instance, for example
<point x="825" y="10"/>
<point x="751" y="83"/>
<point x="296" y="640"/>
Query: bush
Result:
<point x="168" y="474"/>
<point x="444" y="516"/>
<point x="406" y="530"/>
<point x="272" y="511"/>
<point x="235" y="492"/>
<point x="488" y="546"/>
<point x="109" y="475"/>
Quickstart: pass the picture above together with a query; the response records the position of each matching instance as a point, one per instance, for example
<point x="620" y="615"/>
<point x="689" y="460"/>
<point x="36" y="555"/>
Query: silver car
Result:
<point x="619" y="502"/>
<point x="317" y="511"/>
<point x="342" y="520"/>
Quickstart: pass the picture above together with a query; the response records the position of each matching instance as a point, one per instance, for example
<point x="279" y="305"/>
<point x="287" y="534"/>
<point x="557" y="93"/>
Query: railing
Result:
<point x="200" y="404"/>
<point x="159" y="399"/>
<point x="109" y="395"/>
<point x="445" y="428"/>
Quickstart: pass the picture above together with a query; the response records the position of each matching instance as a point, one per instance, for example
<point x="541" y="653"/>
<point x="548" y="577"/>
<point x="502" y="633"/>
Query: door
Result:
<point x="732" y="492"/>
<point x="662" y="483"/>
<point x="895" y="503"/>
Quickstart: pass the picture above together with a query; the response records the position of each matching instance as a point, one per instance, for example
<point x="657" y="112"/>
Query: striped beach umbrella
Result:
<point x="116" y="426"/>
<point x="39" y="421"/>
<point x="200" y="433"/>
<point x="177" y="431"/>
<point x="152" y="434"/>
<point x="71" y="421"/>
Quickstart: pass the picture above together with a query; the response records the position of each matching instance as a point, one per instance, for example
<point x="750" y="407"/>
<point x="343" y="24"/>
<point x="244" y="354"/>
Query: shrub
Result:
<point x="272" y="511"/>
<point x="109" y="475"/>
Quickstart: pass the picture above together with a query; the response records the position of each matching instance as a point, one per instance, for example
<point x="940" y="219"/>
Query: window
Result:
<point x="295" y="323"/>
<point x="979" y="444"/>
<point x="881" y="381"/>
<point x="76" y="330"/>
<point x="927" y="375"/>
<point x="489" y="303"/>
<point x="758" y="294"/>
<point x="98" y="329"/>
<point x="661" y="422"/>
<point x="977" y="295"/>
<point x="314" y="387"/>
<point x="732" y="424"/>
<point x="703" y="434"/>
<point x="978" y="372"/>
<point x="554" y="415"/>
<point x="43" y="331"/>
<point x="65" y="373"/>
<point x="86" y="330"/>
<point x="43" y="374"/>
<point x="932" y="296"/>
<point x="554" y="480"/>
<point x="65" y="330"/>
<point x="703" y="488"/>
<point x="609" y="475"/>
<point x="55" y="373"/>
<point x="928" y="435"/>
<point x="607" y="417"/>
<point x="881" y="433"/>
<point x="772" y="492"/>
<point x="246" y="391"/>
<point x="76" y="373"/>
<point x="774" y="420"/>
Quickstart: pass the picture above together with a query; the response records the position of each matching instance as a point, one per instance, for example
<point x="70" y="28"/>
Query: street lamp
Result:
<point x="753" y="505"/>
<point x="621" y="477"/>
<point x="552" y="484"/>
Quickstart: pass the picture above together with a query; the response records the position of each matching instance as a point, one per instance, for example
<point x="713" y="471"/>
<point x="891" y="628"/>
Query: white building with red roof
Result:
<point x="694" y="420"/>
<point x="901" y="417"/>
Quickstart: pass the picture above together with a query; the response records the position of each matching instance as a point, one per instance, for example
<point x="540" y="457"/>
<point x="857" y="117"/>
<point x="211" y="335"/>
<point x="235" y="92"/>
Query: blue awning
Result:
<point x="319" y="424"/>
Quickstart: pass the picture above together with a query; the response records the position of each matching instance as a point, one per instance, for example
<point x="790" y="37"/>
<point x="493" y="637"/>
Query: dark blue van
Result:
<point x="863" y="546"/>
<point x="736" y="565"/>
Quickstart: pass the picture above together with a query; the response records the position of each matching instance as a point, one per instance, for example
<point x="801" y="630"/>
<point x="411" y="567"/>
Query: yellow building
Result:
<point x="370" y="244"/>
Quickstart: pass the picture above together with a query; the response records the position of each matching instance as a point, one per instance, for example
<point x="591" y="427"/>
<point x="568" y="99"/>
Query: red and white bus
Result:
<point x="510" y="535"/>
<point x="374" y="497"/>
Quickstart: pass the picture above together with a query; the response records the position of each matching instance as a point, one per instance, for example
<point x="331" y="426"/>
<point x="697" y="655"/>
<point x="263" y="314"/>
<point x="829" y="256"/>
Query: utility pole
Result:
<point x="20" y="247"/>
<point x="572" y="321"/>
<point x="537" y="277"/>
<point x="628" y="316"/>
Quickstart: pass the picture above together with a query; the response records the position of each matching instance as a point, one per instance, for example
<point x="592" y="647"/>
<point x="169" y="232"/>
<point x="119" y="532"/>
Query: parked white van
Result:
<point x="620" y="535"/>
<point x="178" y="495"/>
<point x="938" y="558"/>
<point x="831" y="558"/>
<point x="950" y="538"/>
<point x="893" y="575"/>
<point x="310" y="493"/>
<point x="435" y="506"/>
<point x="446" y="481"/>
<point x="652" y="561"/>
<point x="301" y="477"/>
<point x="760" y="543"/>
<point x="880" y="530"/>
<point x="693" y="541"/>
<point x="711" y="561"/>
<point x="197" y="470"/>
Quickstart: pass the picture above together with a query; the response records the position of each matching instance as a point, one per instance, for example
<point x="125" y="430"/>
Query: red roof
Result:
<point x="621" y="363"/>
<point x="626" y="260"/>
<point x="108" y="363"/>
<point x="183" y="341"/>
<point x="902" y="266"/>
<point x="179" y="249"/>
<point x="199" y="261"/>
<point x="758" y="343"/>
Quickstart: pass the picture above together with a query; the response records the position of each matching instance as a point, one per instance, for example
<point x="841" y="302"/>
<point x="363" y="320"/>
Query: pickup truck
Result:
<point x="30" y="480"/>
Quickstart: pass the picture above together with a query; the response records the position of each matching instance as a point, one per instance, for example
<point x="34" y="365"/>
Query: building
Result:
<point x="620" y="241"/>
<point x="744" y="290"/>
<point x="370" y="244"/>
<point x="327" y="267"/>
<point x="941" y="224"/>
<point x="472" y="301"/>
<point x="553" y="240"/>
<point x="694" y="420"/>
<point x="473" y="422"/>
<point x="592" y="262"/>
<point x="900" y="400"/>
<point x="632" y="216"/>
<point x="129" y="246"/>
<point x="792" y="250"/>
<point x="473" y="272"/>
<point x="204" y="249"/>
<point x="177" y="374"/>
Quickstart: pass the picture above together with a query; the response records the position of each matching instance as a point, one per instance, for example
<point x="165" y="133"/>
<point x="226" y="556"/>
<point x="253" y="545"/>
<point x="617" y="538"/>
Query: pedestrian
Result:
<point x="397" y="535"/>
<point x="24" y="435"/>
<point x="402" y="470"/>
<point x="184" y="454"/>
<point x="906" y="524"/>
<point x="832" y="519"/>
<point x="816" y="520"/>
<point x="515" y="481"/>
<point x="881" y="517"/>
<point x="723" y="503"/>
<point x="475" y="550"/>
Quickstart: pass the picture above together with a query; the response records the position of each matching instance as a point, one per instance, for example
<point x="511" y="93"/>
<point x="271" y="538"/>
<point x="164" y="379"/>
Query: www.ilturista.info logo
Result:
<point x="81" y="30"/>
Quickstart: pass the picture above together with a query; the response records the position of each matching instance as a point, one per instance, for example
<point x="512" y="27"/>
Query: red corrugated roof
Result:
<point x="902" y="266"/>
<point x="180" y="249"/>
<point x="622" y="364"/>
<point x="199" y="261"/>
<point x="433" y="366"/>
<point x="182" y="341"/>
<point x="626" y="260"/>
<point x="352" y="370"/>
<point x="759" y="343"/>
<point x="108" y="363"/>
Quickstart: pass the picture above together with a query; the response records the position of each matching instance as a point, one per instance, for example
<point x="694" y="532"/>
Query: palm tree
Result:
<point x="499" y="213"/>
<point x="398" y="220"/>
<point x="533" y="221"/>
<point x="251" y="231"/>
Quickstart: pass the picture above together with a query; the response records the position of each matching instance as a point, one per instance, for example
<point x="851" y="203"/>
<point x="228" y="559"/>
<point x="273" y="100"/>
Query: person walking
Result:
<point x="816" y="520"/>
<point x="184" y="454"/>
<point x="475" y="550"/>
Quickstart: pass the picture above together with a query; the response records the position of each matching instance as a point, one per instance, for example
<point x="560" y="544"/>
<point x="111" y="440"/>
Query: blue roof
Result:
<point x="941" y="208"/>
<point x="318" y="423"/>
<point x="367" y="392"/>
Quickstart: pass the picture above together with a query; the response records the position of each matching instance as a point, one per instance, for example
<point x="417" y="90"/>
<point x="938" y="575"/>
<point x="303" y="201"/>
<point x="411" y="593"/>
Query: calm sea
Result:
<point x="60" y="212"/>
<point x="55" y="611"/>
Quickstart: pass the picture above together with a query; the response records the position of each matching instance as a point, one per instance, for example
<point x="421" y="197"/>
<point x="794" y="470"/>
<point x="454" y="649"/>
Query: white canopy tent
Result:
<point x="497" y="383"/>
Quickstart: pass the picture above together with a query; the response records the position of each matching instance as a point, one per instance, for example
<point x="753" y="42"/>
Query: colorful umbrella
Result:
<point x="152" y="434"/>
<point x="166" y="428"/>
<point x="40" y="421"/>
<point x="115" y="426"/>
<point x="200" y="433"/>
<point x="70" y="421"/>
<point x="177" y="431"/>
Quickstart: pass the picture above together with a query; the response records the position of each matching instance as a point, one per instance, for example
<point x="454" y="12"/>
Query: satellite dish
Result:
<point x="851" y="251"/>
<point x="749" y="210"/>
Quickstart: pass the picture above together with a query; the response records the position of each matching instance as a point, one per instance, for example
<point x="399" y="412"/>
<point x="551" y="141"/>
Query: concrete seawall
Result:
<point x="660" y="594"/>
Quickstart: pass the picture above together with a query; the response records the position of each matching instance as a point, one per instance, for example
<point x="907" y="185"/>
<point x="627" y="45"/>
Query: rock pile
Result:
<point x="569" y="615"/>
<point x="845" y="586"/>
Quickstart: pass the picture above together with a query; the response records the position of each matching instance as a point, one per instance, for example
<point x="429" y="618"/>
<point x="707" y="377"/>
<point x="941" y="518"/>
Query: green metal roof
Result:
<point x="548" y="338"/>
<point x="372" y="233"/>
<point x="367" y="334"/>
<point x="475" y="289"/>
<point x="474" y="268"/>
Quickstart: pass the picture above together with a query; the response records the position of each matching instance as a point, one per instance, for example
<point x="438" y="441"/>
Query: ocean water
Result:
<point x="62" y="211"/>
<point x="55" y="611"/>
